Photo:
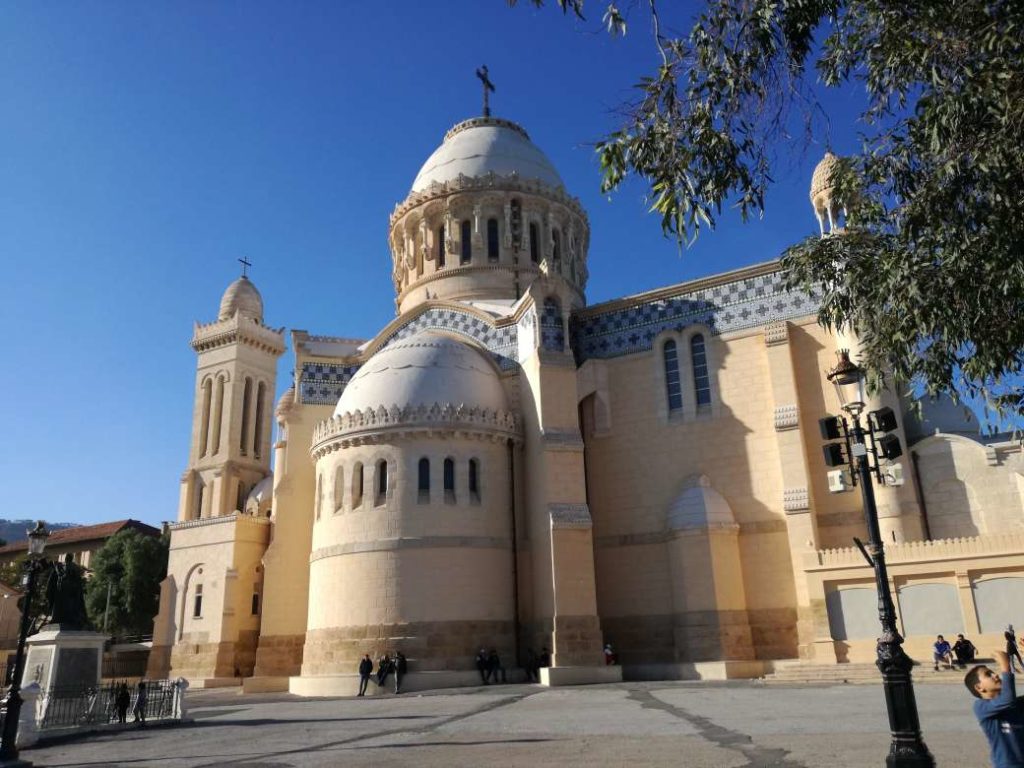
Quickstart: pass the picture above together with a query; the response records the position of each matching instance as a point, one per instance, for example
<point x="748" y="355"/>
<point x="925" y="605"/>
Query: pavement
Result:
<point x="736" y="724"/>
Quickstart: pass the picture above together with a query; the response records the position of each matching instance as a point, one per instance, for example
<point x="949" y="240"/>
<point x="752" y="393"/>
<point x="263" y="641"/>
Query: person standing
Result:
<point x="122" y="701"/>
<point x="401" y="667"/>
<point x="532" y="666"/>
<point x="494" y="667"/>
<point x="139" y="711"/>
<point x="481" y="666"/>
<point x="365" y="670"/>
<point x="1000" y="713"/>
<point x="1011" y="647"/>
<point x="383" y="669"/>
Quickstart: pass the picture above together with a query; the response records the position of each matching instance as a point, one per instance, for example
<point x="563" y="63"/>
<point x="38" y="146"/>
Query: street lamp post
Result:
<point x="33" y="566"/>
<point x="907" y="749"/>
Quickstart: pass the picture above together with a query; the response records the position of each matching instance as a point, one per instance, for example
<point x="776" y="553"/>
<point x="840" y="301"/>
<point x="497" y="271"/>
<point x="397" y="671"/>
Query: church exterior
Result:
<point x="503" y="466"/>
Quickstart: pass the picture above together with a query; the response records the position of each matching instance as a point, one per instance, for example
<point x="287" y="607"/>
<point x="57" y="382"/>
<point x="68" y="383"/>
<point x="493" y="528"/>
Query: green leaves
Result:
<point x="931" y="270"/>
<point x="129" y="568"/>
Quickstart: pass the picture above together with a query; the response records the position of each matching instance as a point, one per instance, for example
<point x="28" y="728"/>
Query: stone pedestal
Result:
<point x="62" y="658"/>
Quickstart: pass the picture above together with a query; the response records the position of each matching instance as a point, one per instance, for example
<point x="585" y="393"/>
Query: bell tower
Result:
<point x="232" y="418"/>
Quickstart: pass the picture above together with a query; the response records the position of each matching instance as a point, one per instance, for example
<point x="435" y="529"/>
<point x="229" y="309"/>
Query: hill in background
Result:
<point x="15" y="530"/>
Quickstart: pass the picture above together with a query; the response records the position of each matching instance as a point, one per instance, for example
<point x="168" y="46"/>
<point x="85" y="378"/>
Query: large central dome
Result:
<point x="483" y="145"/>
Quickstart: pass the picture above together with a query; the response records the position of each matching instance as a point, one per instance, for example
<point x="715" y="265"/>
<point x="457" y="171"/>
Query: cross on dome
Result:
<point x="244" y="261"/>
<point x="488" y="87"/>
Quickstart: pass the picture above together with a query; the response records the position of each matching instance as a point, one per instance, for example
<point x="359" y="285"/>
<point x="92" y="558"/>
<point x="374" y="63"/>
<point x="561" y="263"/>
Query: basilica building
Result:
<point x="503" y="466"/>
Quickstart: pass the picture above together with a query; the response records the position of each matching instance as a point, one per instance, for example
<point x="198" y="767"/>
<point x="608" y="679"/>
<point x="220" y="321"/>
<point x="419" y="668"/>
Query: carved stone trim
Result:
<point x="570" y="516"/>
<point x="562" y="440"/>
<point x="786" y="417"/>
<point x="232" y="518"/>
<point x="776" y="332"/>
<point x="412" y="542"/>
<point x="795" y="499"/>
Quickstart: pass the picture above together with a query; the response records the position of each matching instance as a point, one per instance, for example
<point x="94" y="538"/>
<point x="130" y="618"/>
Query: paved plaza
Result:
<point x="726" y="725"/>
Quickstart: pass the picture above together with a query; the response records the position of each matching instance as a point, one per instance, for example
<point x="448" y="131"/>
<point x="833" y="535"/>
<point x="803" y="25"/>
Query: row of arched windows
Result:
<point x="354" y="492"/>
<point x="699" y="366"/>
<point x="250" y="438"/>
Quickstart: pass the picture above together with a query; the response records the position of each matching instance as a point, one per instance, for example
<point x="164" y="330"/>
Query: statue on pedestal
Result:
<point x="65" y="595"/>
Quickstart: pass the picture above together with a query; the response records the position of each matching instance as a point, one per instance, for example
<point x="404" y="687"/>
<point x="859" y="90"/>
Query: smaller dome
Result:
<point x="699" y="507"/>
<point x="259" y="498"/>
<point x="242" y="297"/>
<point x="821" y="179"/>
<point x="285" y="403"/>
<point x="423" y="370"/>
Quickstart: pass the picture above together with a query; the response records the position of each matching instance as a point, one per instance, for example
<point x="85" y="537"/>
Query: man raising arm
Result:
<point x="999" y="711"/>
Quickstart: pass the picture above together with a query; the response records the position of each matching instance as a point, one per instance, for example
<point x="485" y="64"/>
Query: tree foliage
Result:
<point x="930" y="273"/>
<point x="132" y="566"/>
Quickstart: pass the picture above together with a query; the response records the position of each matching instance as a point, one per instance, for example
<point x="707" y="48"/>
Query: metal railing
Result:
<point x="64" y="707"/>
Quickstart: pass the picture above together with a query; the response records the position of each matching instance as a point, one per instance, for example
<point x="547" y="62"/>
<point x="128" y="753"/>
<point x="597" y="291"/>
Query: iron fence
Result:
<point x="64" y="707"/>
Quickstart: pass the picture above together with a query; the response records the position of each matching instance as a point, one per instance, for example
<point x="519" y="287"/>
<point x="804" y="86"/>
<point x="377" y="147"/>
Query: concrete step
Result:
<point x="854" y="674"/>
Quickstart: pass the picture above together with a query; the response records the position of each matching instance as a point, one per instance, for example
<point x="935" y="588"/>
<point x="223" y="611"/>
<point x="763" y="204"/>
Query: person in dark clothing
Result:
<point x="964" y="651"/>
<point x="494" y="667"/>
<point x="139" y="712"/>
<point x="532" y="666"/>
<point x="401" y="667"/>
<point x="122" y="700"/>
<point x="1011" y="647"/>
<point x="481" y="666"/>
<point x="545" y="657"/>
<point x="365" y="670"/>
<point x="1000" y="713"/>
<point x="383" y="669"/>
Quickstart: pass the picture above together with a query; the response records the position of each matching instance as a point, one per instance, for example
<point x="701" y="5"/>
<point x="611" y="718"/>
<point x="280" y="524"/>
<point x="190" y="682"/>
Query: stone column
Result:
<point x="801" y="526"/>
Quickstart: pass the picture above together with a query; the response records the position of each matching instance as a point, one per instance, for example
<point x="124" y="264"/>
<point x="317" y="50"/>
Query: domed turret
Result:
<point x="242" y="297"/>
<point x="487" y="215"/>
<point x="826" y="207"/>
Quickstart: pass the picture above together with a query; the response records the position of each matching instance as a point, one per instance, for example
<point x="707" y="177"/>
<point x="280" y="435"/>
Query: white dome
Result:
<point x="241" y="296"/>
<point x="424" y="369"/>
<point x="481" y="145"/>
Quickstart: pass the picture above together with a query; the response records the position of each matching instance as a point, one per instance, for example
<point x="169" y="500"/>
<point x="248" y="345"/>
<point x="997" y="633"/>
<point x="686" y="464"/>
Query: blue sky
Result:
<point x="147" y="146"/>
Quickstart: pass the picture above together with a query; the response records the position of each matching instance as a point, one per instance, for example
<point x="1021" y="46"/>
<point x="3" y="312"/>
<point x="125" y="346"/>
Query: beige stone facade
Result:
<point x="504" y="467"/>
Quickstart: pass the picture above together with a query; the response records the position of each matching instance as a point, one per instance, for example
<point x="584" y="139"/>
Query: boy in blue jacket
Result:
<point x="999" y="711"/>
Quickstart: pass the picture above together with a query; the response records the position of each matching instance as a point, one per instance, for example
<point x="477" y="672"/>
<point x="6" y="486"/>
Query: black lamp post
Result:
<point x="862" y="447"/>
<point x="33" y="566"/>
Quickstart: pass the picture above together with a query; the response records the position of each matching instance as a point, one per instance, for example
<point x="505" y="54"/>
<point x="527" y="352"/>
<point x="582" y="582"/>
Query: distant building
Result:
<point x="81" y="541"/>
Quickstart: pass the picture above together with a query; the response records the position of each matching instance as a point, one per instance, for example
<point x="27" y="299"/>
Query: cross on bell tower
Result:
<point x="244" y="261"/>
<point x="488" y="88"/>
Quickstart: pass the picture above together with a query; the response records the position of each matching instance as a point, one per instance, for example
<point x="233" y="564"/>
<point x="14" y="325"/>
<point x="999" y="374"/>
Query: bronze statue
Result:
<point x="65" y="595"/>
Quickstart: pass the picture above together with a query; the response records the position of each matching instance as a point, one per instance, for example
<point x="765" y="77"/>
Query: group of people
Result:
<point x="395" y="664"/>
<point x="121" y="699"/>
<point x="488" y="664"/>
<point x="960" y="654"/>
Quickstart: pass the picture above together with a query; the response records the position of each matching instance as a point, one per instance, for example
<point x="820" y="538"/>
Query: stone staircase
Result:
<point x="797" y="673"/>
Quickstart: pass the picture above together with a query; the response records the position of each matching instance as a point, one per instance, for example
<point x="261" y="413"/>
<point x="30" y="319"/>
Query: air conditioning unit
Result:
<point x="837" y="481"/>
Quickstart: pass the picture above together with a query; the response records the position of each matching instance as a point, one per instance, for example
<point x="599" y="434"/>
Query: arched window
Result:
<point x="534" y="242"/>
<point x="204" y="429"/>
<point x="197" y="602"/>
<point x="474" y="480"/>
<point x="257" y="436"/>
<point x="382" y="483"/>
<point x="449" y="481"/>
<point x="440" y="253"/>
<point x="339" y="488"/>
<point x="319" y="495"/>
<point x="672" y="384"/>
<point x="556" y="245"/>
<point x="492" y="239"/>
<point x="701" y="380"/>
<point x="200" y="498"/>
<point x="423" y="481"/>
<point x="465" y="243"/>
<point x="240" y="498"/>
<point x="246" y="405"/>
<point x="357" y="485"/>
<point x="218" y="416"/>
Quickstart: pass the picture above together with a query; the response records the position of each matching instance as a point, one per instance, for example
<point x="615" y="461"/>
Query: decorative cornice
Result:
<point x="482" y="121"/>
<point x="237" y="329"/>
<point x="795" y="499"/>
<point x="786" y="417"/>
<point x="562" y="440"/>
<point x="570" y="516"/>
<point x="388" y="424"/>
<point x="776" y="332"/>
<point x="512" y="182"/>
<point x="412" y="542"/>
<point x="222" y="520"/>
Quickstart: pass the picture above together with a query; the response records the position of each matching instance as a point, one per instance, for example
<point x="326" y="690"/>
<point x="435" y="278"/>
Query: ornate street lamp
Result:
<point x="863" y="451"/>
<point x="34" y="564"/>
